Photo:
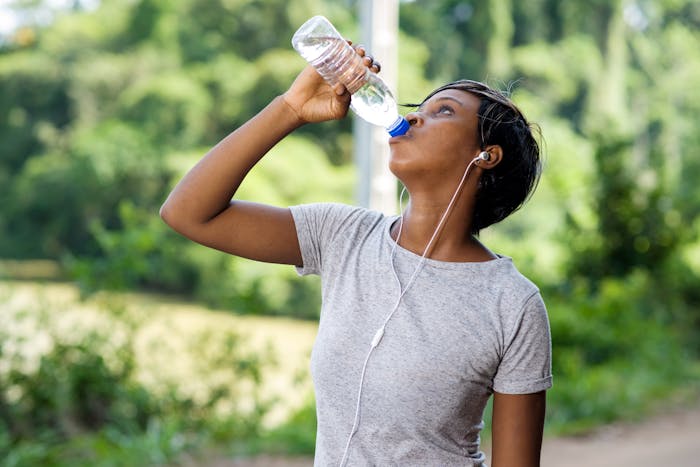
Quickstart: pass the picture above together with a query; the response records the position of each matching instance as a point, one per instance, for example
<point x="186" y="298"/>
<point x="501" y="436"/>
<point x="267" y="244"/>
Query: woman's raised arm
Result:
<point x="200" y="207"/>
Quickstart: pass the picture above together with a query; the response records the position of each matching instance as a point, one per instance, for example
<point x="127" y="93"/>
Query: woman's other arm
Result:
<point x="517" y="426"/>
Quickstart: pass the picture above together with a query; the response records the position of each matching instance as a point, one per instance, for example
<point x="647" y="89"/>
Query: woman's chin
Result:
<point x="404" y="168"/>
<point x="396" y="166"/>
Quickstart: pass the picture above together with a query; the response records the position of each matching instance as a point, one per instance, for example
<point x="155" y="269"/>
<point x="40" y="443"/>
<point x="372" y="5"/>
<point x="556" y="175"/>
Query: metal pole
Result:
<point x="379" y="21"/>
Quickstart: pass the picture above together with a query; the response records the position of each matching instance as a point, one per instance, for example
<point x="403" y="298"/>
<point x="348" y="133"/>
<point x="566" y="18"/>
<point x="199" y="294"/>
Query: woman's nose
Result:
<point x="414" y="118"/>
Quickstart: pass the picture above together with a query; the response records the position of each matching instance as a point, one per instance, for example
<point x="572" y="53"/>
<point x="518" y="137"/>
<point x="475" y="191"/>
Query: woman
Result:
<point x="420" y="322"/>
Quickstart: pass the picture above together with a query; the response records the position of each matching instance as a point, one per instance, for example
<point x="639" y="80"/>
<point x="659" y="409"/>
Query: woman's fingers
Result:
<point x="371" y="63"/>
<point x="339" y="89"/>
<point x="368" y="60"/>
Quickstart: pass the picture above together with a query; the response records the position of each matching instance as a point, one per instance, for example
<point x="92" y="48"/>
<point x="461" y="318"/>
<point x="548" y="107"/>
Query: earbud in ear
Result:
<point x="484" y="156"/>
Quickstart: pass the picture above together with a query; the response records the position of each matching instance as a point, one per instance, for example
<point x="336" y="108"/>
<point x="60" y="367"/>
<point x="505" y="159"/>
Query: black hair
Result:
<point x="506" y="187"/>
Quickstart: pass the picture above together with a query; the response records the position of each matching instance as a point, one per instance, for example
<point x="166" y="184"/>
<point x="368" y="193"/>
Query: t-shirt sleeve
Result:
<point x="526" y="366"/>
<point x="317" y="225"/>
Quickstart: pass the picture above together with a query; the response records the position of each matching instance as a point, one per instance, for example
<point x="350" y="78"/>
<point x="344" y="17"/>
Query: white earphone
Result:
<point x="484" y="156"/>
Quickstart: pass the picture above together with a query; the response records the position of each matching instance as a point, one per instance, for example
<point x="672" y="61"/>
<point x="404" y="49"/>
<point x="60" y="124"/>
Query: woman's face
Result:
<point x="442" y="139"/>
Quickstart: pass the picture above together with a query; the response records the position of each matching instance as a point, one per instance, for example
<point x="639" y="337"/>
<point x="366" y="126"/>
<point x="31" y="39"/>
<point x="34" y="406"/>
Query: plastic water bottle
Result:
<point x="337" y="62"/>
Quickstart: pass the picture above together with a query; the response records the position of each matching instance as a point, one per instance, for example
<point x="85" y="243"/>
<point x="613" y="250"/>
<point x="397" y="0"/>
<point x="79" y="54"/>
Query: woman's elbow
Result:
<point x="180" y="219"/>
<point x="169" y="215"/>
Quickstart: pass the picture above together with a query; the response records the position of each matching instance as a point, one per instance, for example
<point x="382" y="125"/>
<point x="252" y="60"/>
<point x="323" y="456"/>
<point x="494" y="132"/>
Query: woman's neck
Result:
<point x="452" y="242"/>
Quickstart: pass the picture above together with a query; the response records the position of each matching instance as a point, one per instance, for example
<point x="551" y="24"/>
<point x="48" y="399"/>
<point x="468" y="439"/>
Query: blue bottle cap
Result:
<point x="399" y="127"/>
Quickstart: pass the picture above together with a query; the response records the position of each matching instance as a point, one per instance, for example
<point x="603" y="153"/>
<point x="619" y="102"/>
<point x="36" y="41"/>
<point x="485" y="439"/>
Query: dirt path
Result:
<point x="672" y="439"/>
<point x="668" y="440"/>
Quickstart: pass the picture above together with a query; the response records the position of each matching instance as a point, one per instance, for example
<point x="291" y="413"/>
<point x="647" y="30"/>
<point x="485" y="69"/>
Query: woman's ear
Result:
<point x="494" y="155"/>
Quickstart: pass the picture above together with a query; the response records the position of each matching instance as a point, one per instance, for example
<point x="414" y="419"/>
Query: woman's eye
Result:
<point x="445" y="109"/>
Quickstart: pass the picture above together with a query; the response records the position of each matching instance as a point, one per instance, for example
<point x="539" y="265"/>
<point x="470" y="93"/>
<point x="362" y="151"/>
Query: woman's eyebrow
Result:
<point x="448" y="98"/>
<point x="443" y="98"/>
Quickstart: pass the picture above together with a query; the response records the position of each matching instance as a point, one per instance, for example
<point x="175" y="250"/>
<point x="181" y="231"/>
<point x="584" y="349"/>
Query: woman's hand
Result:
<point x="313" y="100"/>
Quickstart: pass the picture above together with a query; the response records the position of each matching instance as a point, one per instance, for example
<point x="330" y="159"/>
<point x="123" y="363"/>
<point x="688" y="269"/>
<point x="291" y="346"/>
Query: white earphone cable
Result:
<point x="402" y="291"/>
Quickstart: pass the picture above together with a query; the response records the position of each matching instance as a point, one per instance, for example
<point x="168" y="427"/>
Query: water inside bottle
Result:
<point x="334" y="60"/>
<point x="375" y="104"/>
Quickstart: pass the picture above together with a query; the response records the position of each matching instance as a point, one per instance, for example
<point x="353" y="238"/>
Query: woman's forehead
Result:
<point x="463" y="98"/>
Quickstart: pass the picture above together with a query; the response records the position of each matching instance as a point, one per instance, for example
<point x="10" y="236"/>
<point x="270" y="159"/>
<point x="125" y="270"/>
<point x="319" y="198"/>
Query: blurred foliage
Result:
<point x="142" y="253"/>
<point x="617" y="352"/>
<point x="105" y="105"/>
<point x="70" y="399"/>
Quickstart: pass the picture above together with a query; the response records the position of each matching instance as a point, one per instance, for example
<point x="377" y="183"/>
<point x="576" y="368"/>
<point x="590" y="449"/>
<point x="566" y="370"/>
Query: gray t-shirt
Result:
<point x="461" y="332"/>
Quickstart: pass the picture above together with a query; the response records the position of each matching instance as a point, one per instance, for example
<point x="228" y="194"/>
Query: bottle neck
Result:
<point x="399" y="127"/>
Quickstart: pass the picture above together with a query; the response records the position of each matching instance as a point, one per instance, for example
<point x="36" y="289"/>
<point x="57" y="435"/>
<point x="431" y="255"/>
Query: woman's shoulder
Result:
<point x="514" y="283"/>
<point x="513" y="272"/>
<point x="338" y="212"/>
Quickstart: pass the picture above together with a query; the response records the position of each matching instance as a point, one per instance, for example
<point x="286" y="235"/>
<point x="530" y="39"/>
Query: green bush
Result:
<point x="296" y="436"/>
<point x="616" y="352"/>
<point x="34" y="100"/>
<point x="80" y="403"/>
<point x="57" y="196"/>
<point x="143" y="253"/>
<point x="72" y="392"/>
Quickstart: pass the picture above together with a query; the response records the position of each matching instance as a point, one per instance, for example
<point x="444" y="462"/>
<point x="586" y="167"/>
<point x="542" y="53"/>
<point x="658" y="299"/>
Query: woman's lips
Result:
<point x="396" y="139"/>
